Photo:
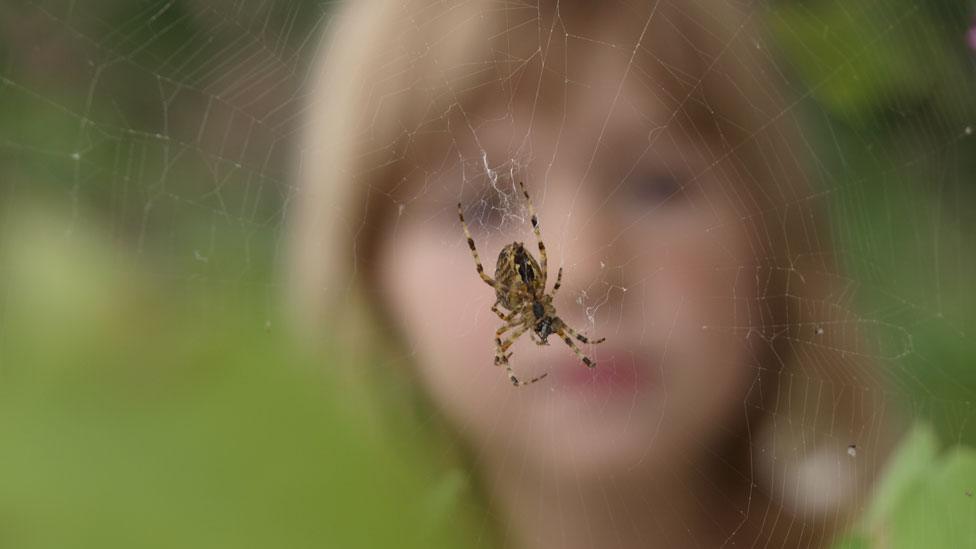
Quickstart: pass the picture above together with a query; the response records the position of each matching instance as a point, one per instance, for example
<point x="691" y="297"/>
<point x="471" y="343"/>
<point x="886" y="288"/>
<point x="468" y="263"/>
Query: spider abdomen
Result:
<point x="516" y="273"/>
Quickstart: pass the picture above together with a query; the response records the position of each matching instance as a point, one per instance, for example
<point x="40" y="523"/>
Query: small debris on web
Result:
<point x="969" y="493"/>
<point x="852" y="450"/>
<point x="820" y="330"/>
<point x="582" y="296"/>
<point x="591" y="314"/>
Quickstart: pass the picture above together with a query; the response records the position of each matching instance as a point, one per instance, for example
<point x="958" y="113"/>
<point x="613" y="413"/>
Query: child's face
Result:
<point x="654" y="247"/>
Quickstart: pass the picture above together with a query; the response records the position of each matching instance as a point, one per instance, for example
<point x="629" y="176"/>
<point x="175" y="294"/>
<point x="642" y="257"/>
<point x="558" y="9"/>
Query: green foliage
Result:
<point x="135" y="413"/>
<point x="867" y="60"/>
<point x="926" y="499"/>
<point x="887" y="88"/>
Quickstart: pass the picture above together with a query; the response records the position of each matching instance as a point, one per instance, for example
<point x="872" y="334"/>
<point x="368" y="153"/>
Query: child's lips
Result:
<point x="615" y="368"/>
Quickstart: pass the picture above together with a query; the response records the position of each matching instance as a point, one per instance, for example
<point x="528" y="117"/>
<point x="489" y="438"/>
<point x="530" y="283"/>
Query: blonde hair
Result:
<point x="393" y="73"/>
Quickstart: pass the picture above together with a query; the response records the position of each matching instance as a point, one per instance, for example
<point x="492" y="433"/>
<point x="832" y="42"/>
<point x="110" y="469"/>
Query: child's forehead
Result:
<point x="600" y="80"/>
<point x="609" y="107"/>
<point x="490" y="64"/>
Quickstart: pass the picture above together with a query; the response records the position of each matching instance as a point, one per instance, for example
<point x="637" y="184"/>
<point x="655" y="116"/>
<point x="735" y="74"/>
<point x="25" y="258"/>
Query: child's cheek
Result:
<point x="441" y="307"/>
<point x="699" y="303"/>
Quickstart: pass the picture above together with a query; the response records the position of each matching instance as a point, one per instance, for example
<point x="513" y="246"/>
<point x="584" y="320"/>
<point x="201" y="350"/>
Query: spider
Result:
<point x="520" y="287"/>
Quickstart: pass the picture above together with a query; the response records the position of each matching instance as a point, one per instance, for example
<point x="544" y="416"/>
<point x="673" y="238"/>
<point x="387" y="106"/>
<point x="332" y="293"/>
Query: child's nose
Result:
<point x="589" y="242"/>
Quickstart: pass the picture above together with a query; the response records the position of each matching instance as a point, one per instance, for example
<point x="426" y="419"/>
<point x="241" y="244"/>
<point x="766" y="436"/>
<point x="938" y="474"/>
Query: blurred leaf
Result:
<point x="941" y="510"/>
<point x="140" y="414"/>
<point x="859" y="59"/>
<point x="923" y="500"/>
<point x="853" y="542"/>
<point x="907" y="468"/>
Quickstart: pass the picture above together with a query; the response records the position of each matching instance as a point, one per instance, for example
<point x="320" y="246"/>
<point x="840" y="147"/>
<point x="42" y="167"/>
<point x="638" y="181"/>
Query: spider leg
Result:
<point x="543" y="260"/>
<point x="517" y="382"/>
<point x="502" y="358"/>
<point x="572" y="345"/>
<point x="559" y="282"/>
<point x="508" y="326"/>
<point x="501" y="314"/>
<point x="477" y="260"/>
<point x="581" y="337"/>
<point x="504" y="345"/>
<point x="499" y="350"/>
<point x="530" y="319"/>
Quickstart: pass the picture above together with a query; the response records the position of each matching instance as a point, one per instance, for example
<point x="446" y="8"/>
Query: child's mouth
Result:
<point x="617" y="369"/>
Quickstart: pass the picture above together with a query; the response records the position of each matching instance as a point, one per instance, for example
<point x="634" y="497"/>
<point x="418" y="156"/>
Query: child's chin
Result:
<point x="598" y="445"/>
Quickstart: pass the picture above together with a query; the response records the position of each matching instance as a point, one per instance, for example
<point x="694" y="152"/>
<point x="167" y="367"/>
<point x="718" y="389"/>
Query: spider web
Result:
<point x="162" y="140"/>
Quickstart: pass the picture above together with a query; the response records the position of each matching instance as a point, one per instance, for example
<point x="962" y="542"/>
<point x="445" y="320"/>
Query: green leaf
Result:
<point x="853" y="541"/>
<point x="923" y="500"/>
<point x="941" y="510"/>
<point x="860" y="59"/>
<point x="907" y="468"/>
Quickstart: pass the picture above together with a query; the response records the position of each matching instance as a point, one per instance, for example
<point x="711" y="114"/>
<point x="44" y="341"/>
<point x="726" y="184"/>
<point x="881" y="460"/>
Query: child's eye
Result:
<point x="657" y="188"/>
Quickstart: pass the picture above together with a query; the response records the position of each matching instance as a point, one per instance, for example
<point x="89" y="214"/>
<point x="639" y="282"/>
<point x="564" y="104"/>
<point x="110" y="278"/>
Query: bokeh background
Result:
<point x="150" y="392"/>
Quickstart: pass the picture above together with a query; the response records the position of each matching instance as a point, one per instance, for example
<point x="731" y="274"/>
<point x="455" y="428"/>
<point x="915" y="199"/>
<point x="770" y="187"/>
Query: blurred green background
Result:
<point x="149" y="394"/>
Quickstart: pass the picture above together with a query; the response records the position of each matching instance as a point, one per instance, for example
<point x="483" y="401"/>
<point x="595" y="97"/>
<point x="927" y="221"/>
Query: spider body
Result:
<point x="517" y="277"/>
<point x="520" y="287"/>
<point x="516" y="274"/>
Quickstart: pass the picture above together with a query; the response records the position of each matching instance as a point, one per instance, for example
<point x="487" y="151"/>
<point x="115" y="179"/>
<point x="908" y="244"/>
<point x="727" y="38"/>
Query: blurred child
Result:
<point x="667" y="175"/>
